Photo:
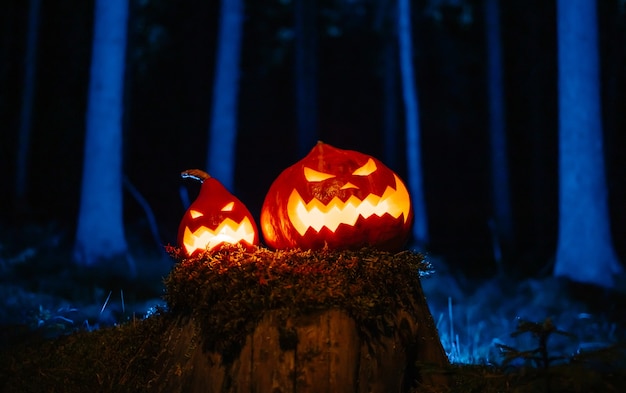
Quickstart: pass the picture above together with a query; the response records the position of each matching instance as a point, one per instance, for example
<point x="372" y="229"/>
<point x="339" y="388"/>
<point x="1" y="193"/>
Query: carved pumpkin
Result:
<point x="339" y="198"/>
<point x="216" y="217"/>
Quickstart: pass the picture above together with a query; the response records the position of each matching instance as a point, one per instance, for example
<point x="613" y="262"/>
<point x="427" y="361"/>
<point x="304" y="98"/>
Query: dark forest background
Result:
<point x="168" y="91"/>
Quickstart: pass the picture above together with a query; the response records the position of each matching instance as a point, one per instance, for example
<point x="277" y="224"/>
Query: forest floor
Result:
<point x="43" y="295"/>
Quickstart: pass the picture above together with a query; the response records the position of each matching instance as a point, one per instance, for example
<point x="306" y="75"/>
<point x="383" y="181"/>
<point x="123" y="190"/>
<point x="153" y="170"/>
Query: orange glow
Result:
<point x="347" y="186"/>
<point x="195" y="214"/>
<point x="316" y="215"/>
<point x="228" y="231"/>
<point x="315" y="176"/>
<point x="367" y="169"/>
<point x="229" y="207"/>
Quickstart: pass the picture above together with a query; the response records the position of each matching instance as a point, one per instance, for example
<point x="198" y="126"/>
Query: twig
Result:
<point x="147" y="210"/>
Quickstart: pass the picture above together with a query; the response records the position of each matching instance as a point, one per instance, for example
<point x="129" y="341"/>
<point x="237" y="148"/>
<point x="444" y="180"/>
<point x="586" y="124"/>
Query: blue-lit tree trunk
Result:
<point x="502" y="226"/>
<point x="223" y="127"/>
<point x="584" y="250"/>
<point x="390" y="104"/>
<point x="412" y="123"/>
<point x="28" y="99"/>
<point x="305" y="17"/>
<point x="385" y="24"/>
<point x="100" y="235"/>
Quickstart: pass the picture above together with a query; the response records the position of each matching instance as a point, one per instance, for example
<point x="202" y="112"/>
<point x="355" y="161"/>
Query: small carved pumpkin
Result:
<point x="339" y="198"/>
<point x="216" y="217"/>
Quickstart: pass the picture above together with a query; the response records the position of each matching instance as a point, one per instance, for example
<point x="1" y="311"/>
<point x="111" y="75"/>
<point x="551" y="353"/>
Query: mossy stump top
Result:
<point x="370" y="298"/>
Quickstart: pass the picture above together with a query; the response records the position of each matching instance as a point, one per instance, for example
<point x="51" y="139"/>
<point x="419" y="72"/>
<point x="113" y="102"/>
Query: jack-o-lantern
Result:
<point x="216" y="217"/>
<point x="337" y="198"/>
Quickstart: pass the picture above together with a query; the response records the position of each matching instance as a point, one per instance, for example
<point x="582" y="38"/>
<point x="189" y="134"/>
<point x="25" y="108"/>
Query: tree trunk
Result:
<point x="305" y="17"/>
<point x="386" y="26"/>
<point x="318" y="352"/>
<point x="390" y="106"/>
<point x="298" y="321"/>
<point x="100" y="233"/>
<point x="502" y="226"/>
<point x="584" y="250"/>
<point x="412" y="123"/>
<point x="28" y="98"/>
<point x="223" y="127"/>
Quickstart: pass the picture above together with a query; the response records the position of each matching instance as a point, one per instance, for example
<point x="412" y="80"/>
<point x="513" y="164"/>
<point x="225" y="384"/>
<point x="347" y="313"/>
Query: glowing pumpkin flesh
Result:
<point x="214" y="218"/>
<point x="339" y="198"/>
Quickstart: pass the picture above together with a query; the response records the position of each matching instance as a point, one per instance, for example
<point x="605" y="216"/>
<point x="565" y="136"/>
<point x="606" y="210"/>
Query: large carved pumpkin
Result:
<point x="339" y="198"/>
<point x="216" y="217"/>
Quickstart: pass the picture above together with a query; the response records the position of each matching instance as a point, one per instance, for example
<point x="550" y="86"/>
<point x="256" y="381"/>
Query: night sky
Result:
<point x="169" y="86"/>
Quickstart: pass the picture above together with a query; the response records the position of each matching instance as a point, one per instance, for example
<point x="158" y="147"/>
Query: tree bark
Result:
<point x="412" y="124"/>
<point x="100" y="232"/>
<point x="502" y="226"/>
<point x="223" y="127"/>
<point x="28" y="99"/>
<point x="305" y="17"/>
<point x="584" y="250"/>
<point x="298" y="321"/>
<point x="386" y="26"/>
<point x="316" y="352"/>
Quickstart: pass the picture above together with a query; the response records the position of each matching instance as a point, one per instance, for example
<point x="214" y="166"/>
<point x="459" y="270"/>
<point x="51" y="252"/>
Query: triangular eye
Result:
<point x="367" y="169"/>
<point x="314" y="176"/>
<point x="228" y="207"/>
<point x="195" y="214"/>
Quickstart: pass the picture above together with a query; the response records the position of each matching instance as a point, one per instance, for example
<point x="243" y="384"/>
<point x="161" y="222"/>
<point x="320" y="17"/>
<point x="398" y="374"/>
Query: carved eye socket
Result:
<point x="315" y="176"/>
<point x="367" y="169"/>
<point x="195" y="214"/>
<point x="228" y="207"/>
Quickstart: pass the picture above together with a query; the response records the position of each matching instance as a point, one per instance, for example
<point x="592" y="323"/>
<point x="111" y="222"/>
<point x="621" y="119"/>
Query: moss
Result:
<point x="117" y="359"/>
<point x="229" y="291"/>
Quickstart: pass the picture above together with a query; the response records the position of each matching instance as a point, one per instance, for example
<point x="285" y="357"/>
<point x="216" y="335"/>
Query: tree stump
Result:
<point x="296" y="321"/>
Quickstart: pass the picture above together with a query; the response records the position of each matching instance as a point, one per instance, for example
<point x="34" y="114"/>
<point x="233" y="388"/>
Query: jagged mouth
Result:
<point x="317" y="215"/>
<point x="229" y="231"/>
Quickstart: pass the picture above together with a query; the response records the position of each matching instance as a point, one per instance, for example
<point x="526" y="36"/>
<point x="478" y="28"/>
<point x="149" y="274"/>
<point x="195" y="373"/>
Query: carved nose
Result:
<point x="348" y="185"/>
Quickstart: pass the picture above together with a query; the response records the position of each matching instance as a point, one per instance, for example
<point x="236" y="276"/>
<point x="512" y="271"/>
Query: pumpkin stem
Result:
<point x="196" y="174"/>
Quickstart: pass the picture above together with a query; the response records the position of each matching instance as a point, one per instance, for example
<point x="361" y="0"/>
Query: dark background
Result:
<point x="169" y="86"/>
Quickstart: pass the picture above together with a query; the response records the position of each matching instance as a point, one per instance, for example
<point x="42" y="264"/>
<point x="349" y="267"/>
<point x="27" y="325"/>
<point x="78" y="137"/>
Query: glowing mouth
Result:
<point x="228" y="231"/>
<point x="316" y="215"/>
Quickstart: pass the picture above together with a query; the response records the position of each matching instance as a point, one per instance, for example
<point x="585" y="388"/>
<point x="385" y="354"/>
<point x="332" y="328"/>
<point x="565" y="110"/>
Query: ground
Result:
<point x="45" y="295"/>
